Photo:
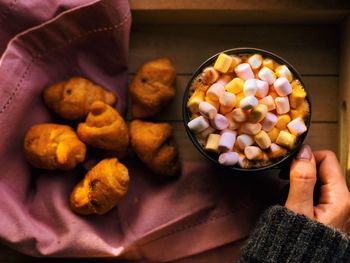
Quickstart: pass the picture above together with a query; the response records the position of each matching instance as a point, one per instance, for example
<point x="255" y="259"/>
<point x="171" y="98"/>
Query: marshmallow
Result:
<point x="282" y="105"/>
<point x="227" y="99"/>
<point x="223" y="63"/>
<point x="224" y="79"/>
<point x="198" y="124"/>
<point x="263" y="140"/>
<point x="229" y="158"/>
<point x="269" y="102"/>
<point x="262" y="88"/>
<point x="235" y="86"/>
<point x="209" y="75"/>
<point x="298" y="95"/>
<point x="216" y="104"/>
<point x="232" y="124"/>
<point x="235" y="62"/>
<point x="250" y="128"/>
<point x="302" y="111"/>
<point x="255" y="61"/>
<point x="269" y="63"/>
<point x="244" y="140"/>
<point x="215" y="91"/>
<point x="283" y="71"/>
<point x="227" y="140"/>
<point x="250" y="87"/>
<point x="258" y="113"/>
<point x="239" y="115"/>
<point x="253" y="153"/>
<point x="204" y="134"/>
<point x="282" y="86"/>
<point x="243" y="161"/>
<point x="244" y="71"/>
<point x="286" y="139"/>
<point x="240" y="96"/>
<point x="269" y="122"/>
<point x="267" y="75"/>
<point x="196" y="98"/>
<point x="276" y="151"/>
<point x="225" y="110"/>
<point x="273" y="134"/>
<point x="219" y="122"/>
<point x="212" y="144"/>
<point x="248" y="103"/>
<point x="297" y="126"/>
<point x="282" y="121"/>
<point x="207" y="110"/>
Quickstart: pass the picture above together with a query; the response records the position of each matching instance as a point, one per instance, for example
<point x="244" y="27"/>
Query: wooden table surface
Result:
<point x="313" y="49"/>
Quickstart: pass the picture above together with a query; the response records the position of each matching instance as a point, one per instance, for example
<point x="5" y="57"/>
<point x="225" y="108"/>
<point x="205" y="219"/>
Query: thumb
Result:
<point x="302" y="183"/>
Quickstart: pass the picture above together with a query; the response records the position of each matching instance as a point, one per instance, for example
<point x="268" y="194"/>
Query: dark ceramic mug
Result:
<point x="282" y="163"/>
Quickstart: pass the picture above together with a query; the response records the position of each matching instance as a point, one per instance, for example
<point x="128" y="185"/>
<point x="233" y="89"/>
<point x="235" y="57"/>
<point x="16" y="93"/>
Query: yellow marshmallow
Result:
<point x="239" y="97"/>
<point x="223" y="63"/>
<point x="282" y="121"/>
<point x="235" y="86"/>
<point x="258" y="113"/>
<point x="235" y="61"/>
<point x="196" y="98"/>
<point x="263" y="140"/>
<point x="273" y="134"/>
<point x="225" y="109"/>
<point x="286" y="139"/>
<point x="298" y="95"/>
<point x="212" y="144"/>
<point x="269" y="63"/>
<point x="283" y="71"/>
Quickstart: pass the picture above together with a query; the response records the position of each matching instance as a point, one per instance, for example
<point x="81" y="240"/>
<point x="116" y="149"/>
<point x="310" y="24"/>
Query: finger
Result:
<point x="329" y="168"/>
<point x="302" y="183"/>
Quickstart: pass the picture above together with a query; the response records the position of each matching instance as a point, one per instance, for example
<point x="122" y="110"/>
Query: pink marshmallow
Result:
<point x="244" y="71"/>
<point x="250" y="128"/>
<point x="229" y="158"/>
<point x="227" y="140"/>
<point x="282" y="86"/>
<point x="282" y="105"/>
<point x="269" y="102"/>
<point x="227" y="99"/>
<point x="207" y="110"/>
<point x="224" y="79"/>
<point x="219" y="122"/>
<point x="262" y="88"/>
<point x="215" y="91"/>
<point x="269" y="122"/>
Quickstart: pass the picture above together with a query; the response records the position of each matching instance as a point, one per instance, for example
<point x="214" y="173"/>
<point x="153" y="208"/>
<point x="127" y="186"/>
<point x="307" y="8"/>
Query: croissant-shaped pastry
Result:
<point x="101" y="189"/>
<point x="152" y="88"/>
<point x="154" y="145"/>
<point x="72" y="99"/>
<point x="53" y="146"/>
<point x="104" y="128"/>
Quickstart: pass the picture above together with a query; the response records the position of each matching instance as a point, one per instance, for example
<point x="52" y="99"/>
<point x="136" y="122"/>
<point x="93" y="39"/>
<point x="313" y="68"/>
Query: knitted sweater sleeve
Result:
<point x="284" y="236"/>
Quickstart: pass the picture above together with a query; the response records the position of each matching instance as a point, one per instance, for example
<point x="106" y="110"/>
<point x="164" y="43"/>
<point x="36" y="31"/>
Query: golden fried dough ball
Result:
<point x="72" y="99"/>
<point x="101" y="189"/>
<point x="53" y="146"/>
<point x="154" y="145"/>
<point x="104" y="128"/>
<point x="152" y="88"/>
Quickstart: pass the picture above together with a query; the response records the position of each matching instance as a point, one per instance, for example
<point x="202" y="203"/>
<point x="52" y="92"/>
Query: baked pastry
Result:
<point x="52" y="146"/>
<point x="154" y="145"/>
<point x="152" y="88"/>
<point x="72" y="99"/>
<point x="104" y="128"/>
<point x="101" y="189"/>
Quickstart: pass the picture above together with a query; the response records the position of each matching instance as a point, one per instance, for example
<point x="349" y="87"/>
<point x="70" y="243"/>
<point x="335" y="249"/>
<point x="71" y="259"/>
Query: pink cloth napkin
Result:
<point x="198" y="215"/>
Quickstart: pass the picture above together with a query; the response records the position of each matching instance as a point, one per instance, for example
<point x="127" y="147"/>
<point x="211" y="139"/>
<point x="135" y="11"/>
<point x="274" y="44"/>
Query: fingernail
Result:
<point x="305" y="153"/>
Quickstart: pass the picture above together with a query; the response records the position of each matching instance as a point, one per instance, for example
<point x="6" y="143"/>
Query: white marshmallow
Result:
<point x="232" y="124"/>
<point x="207" y="110"/>
<point x="229" y="158"/>
<point x="244" y="71"/>
<point x="204" y="134"/>
<point x="282" y="105"/>
<point x="227" y="99"/>
<point x="262" y="88"/>
<point x="243" y="161"/>
<point x="250" y="128"/>
<point x="212" y="144"/>
<point x="224" y="79"/>
<point x="267" y="75"/>
<point x="269" y="122"/>
<point x="269" y="102"/>
<point x="297" y="126"/>
<point x="215" y="91"/>
<point x="210" y="75"/>
<point x="282" y="86"/>
<point x="276" y="151"/>
<point x="219" y="122"/>
<point x="250" y="87"/>
<point x="198" y="124"/>
<point x="227" y="140"/>
<point x="263" y="140"/>
<point x="248" y="103"/>
<point x="244" y="140"/>
<point x="255" y="61"/>
<point x="283" y="71"/>
<point x="253" y="153"/>
<point x="239" y="115"/>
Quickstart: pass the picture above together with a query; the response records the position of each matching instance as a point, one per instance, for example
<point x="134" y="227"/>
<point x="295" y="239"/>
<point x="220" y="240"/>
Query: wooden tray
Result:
<point x="313" y="36"/>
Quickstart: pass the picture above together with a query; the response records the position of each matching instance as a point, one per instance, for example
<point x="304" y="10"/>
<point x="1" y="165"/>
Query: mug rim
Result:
<point x="285" y="160"/>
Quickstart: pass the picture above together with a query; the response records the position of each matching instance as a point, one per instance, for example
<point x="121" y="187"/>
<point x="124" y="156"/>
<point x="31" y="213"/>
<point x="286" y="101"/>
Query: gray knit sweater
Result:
<point x="284" y="236"/>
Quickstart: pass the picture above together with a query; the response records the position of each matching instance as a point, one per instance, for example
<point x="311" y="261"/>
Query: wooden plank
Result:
<point x="323" y="90"/>
<point x="312" y="49"/>
<point x="321" y="136"/>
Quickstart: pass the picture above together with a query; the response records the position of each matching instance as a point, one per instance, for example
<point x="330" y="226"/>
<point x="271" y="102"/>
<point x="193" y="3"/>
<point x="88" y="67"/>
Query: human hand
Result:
<point x="333" y="208"/>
